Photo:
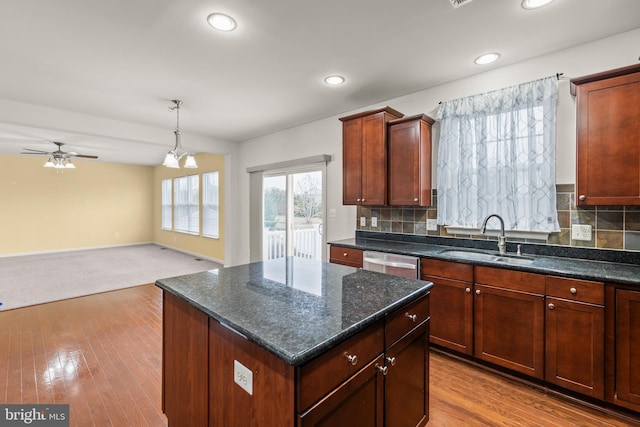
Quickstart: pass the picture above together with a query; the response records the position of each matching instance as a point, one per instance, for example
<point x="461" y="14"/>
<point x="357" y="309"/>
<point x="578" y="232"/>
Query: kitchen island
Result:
<point x="294" y="342"/>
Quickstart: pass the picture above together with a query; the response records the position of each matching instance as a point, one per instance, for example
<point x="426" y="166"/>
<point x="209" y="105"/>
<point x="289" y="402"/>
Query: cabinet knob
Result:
<point x="582" y="197"/>
<point x="391" y="360"/>
<point x="477" y="291"/>
<point x="416" y="199"/>
<point x="467" y="290"/>
<point x="383" y="369"/>
<point x="357" y="200"/>
<point x="345" y="254"/>
<point x="413" y="317"/>
<point x="573" y="291"/>
<point x="351" y="358"/>
<point x="551" y="306"/>
<point x="362" y="200"/>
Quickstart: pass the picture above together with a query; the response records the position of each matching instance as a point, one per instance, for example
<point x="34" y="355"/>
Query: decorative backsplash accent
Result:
<point x="614" y="227"/>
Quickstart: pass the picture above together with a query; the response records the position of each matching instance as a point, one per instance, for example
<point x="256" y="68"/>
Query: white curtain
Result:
<point x="497" y="155"/>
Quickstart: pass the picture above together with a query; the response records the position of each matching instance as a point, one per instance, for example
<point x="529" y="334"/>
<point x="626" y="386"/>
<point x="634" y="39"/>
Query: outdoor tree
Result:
<point x="307" y="197"/>
<point x="275" y="204"/>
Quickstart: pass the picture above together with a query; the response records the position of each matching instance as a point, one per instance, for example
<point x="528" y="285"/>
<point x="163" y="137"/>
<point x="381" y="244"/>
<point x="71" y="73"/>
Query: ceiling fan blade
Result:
<point x="43" y="153"/>
<point x="85" y="156"/>
<point x="36" y="151"/>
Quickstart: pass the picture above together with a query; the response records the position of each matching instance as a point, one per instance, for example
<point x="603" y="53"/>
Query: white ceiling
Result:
<point x="124" y="60"/>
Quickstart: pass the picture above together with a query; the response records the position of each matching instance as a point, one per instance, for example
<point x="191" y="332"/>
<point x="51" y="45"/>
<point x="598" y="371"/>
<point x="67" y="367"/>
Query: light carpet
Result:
<point x="36" y="279"/>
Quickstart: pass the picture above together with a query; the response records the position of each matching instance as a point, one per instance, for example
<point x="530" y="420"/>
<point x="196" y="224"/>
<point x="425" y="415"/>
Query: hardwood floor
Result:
<point x="102" y="355"/>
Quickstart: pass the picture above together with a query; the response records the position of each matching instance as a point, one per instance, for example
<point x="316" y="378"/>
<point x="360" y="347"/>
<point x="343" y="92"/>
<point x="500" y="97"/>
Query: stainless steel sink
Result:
<point x="514" y="260"/>
<point x="471" y="255"/>
<point x="482" y="256"/>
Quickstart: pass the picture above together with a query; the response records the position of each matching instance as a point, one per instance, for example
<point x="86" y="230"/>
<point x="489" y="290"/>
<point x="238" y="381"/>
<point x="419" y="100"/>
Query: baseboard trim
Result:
<point x="54" y="251"/>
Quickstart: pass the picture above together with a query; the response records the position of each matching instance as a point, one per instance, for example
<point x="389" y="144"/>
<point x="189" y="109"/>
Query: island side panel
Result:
<point x="272" y="403"/>
<point x="184" y="363"/>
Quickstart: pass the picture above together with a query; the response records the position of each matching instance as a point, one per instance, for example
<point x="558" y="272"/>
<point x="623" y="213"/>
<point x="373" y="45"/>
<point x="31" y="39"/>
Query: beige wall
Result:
<point x="97" y="204"/>
<point x="205" y="246"/>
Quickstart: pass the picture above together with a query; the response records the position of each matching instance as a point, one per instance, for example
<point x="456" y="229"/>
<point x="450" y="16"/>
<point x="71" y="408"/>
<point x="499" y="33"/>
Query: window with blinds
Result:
<point x="210" y="201"/>
<point x="186" y="204"/>
<point x="167" y="205"/>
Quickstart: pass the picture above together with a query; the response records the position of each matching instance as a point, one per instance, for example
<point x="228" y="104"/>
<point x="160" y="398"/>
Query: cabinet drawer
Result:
<point x="447" y="269"/>
<point x="346" y="256"/>
<point x="323" y="374"/>
<point x="576" y="290"/>
<point x="399" y="323"/>
<point x="511" y="279"/>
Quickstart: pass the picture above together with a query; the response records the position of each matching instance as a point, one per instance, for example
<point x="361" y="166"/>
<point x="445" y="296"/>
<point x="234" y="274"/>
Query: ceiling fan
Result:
<point x="58" y="159"/>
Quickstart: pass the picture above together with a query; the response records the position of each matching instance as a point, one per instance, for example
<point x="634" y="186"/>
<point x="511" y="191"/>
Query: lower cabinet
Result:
<point x="509" y="319"/>
<point x="346" y="256"/>
<point x="377" y="378"/>
<point x="574" y="336"/>
<point x="451" y="304"/>
<point x="626" y="373"/>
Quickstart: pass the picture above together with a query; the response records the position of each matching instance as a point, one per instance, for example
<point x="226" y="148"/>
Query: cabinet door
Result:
<point x="374" y="159"/>
<point x="410" y="162"/>
<point x="627" y="343"/>
<point x="357" y="402"/>
<point x="509" y="329"/>
<point x="406" y="391"/>
<point x="575" y="346"/>
<point x="351" y="161"/>
<point x="608" y="141"/>
<point x="451" y="314"/>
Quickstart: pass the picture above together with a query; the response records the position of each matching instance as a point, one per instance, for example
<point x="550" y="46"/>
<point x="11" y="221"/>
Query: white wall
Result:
<point x="325" y="136"/>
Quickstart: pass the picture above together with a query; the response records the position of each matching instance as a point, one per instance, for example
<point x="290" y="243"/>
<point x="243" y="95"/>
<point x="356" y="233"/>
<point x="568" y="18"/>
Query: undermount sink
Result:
<point x="481" y="256"/>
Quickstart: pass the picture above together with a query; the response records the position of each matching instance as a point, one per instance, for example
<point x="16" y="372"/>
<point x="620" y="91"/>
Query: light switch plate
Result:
<point x="363" y="221"/>
<point x="243" y="376"/>
<point x="332" y="213"/>
<point x="432" y="224"/>
<point x="581" y="232"/>
<point x="374" y="221"/>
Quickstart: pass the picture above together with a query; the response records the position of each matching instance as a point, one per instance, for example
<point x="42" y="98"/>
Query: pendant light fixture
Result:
<point x="172" y="159"/>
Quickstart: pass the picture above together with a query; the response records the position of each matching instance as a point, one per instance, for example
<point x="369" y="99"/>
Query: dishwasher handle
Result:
<point x="390" y="263"/>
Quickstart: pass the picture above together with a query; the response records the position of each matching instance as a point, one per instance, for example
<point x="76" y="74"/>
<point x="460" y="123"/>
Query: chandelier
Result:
<point x="172" y="159"/>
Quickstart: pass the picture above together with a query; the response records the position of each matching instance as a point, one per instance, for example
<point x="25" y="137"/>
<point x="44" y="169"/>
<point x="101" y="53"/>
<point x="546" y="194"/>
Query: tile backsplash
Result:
<point x="613" y="227"/>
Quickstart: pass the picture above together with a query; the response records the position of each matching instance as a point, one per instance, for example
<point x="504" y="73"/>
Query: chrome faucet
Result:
<point x="502" y="239"/>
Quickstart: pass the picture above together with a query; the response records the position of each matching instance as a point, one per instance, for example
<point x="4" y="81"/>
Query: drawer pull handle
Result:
<point x="351" y="358"/>
<point x="573" y="291"/>
<point x="413" y="317"/>
<point x="391" y="360"/>
<point x="383" y="369"/>
<point x="551" y="306"/>
<point x="467" y="290"/>
<point x="345" y="254"/>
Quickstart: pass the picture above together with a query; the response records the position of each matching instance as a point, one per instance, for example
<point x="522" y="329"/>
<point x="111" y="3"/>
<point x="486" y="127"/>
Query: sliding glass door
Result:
<point x="292" y="208"/>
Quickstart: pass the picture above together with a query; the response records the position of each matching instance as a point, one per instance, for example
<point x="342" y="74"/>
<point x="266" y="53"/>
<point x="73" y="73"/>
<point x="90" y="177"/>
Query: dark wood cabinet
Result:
<point x="608" y="137"/>
<point x="451" y="297"/>
<point x="185" y="328"/>
<point x="509" y="319"/>
<point x="364" y="156"/>
<point x="409" y="161"/>
<point x="626" y="362"/>
<point x="574" y="356"/>
<point x="378" y="377"/>
<point x="346" y="256"/>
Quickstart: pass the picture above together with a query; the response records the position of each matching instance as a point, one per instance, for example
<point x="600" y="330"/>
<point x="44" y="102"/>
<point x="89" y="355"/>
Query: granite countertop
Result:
<point x="293" y="307"/>
<point x="615" y="272"/>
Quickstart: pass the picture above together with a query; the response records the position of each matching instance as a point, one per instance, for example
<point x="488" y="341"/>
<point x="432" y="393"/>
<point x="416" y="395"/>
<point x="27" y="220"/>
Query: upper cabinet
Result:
<point x="364" y="156"/>
<point x="608" y="137"/>
<point x="410" y="161"/>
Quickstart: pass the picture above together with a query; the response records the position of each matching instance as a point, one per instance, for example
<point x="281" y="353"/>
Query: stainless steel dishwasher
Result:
<point x="396" y="265"/>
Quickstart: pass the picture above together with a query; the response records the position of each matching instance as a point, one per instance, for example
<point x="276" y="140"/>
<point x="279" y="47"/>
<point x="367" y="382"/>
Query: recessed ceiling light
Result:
<point x="534" y="4"/>
<point x="222" y="22"/>
<point x="487" y="58"/>
<point x="334" y="80"/>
